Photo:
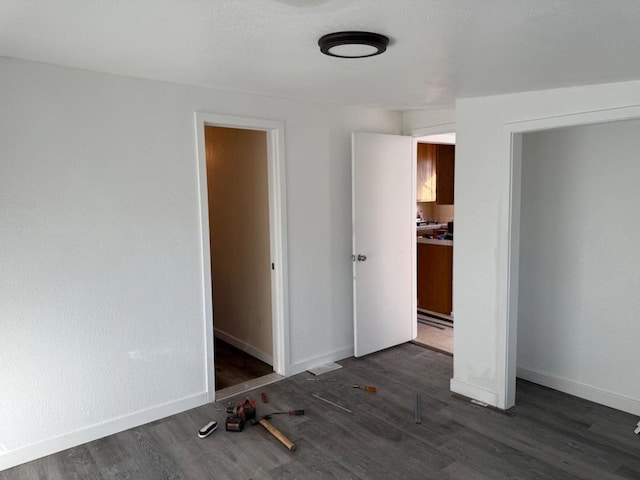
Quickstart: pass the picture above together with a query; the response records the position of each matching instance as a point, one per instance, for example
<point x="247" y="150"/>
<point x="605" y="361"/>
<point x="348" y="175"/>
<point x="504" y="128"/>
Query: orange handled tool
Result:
<point x="366" y="388"/>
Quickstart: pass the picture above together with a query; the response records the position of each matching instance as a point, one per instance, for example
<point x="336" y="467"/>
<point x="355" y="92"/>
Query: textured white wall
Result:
<point x="101" y="294"/>
<point x="483" y="193"/>
<point x="413" y="121"/>
<point x="580" y="257"/>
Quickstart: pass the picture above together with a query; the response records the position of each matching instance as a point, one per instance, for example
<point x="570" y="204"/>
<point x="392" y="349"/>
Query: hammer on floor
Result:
<point x="264" y="421"/>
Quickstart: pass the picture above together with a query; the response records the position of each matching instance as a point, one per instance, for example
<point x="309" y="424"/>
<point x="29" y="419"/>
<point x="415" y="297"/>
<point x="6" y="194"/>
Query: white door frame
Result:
<point x="511" y="150"/>
<point x="277" y="236"/>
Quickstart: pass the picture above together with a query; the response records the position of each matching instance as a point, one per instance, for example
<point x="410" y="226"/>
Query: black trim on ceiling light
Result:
<point x="331" y="40"/>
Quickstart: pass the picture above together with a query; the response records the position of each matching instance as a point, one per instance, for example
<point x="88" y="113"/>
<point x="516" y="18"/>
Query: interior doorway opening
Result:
<point x="237" y="181"/>
<point x="566" y="299"/>
<point x="242" y="198"/>
<point x="510" y="362"/>
<point x="434" y="235"/>
<point x="384" y="168"/>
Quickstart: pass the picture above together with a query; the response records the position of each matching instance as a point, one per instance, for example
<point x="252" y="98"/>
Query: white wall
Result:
<point x="102" y="321"/>
<point x="578" y="316"/>
<point x="428" y="122"/>
<point x="482" y="282"/>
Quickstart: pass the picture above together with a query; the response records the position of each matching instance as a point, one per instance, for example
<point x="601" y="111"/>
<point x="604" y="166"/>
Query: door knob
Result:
<point x="362" y="258"/>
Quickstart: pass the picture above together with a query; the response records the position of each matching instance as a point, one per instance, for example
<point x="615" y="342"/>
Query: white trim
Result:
<point x="509" y="277"/>
<point x="414" y="245"/>
<point x="582" y="390"/>
<point x="99" y="430"/>
<point x="311" y="362"/>
<point x="205" y="258"/>
<point x="245" y="387"/>
<point x="473" y="392"/>
<point x="604" y="115"/>
<point x="244" y="346"/>
<point x="510" y="332"/>
<point x="277" y="234"/>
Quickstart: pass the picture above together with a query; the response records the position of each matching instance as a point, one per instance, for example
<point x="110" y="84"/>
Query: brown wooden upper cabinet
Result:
<point x="435" y="173"/>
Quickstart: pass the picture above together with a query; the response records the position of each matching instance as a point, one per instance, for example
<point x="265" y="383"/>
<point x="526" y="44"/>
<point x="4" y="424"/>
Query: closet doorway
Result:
<point x="243" y="256"/>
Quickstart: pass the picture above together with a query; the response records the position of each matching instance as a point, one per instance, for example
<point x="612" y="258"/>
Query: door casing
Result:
<point x="511" y="150"/>
<point x="277" y="235"/>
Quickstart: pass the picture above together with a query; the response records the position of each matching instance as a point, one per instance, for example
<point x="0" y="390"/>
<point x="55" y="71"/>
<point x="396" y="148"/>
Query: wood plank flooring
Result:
<point x="551" y="436"/>
<point x="233" y="366"/>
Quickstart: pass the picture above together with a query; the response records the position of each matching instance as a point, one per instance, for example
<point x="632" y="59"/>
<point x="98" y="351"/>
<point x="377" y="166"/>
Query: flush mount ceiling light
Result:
<point x="353" y="44"/>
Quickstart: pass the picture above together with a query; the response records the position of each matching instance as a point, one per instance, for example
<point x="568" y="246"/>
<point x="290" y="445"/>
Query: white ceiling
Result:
<point x="441" y="49"/>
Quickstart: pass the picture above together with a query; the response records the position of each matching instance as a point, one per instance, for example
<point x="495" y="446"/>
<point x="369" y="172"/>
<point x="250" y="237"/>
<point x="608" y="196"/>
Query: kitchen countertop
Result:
<point x="432" y="226"/>
<point x="433" y="241"/>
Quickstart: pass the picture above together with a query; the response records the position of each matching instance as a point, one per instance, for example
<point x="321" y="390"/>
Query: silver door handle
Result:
<point x="362" y="258"/>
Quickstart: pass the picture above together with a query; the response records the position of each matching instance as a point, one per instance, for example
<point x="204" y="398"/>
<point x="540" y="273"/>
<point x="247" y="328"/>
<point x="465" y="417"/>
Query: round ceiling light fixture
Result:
<point x="353" y="44"/>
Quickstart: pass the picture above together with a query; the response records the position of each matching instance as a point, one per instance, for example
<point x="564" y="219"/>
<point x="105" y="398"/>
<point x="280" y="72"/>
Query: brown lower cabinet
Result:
<point x="435" y="277"/>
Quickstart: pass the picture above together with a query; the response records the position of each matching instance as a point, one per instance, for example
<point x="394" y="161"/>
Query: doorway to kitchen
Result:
<point x="384" y="168"/>
<point x="241" y="194"/>
<point x="435" y="156"/>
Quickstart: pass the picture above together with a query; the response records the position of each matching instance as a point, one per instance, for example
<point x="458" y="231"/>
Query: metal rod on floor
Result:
<point x="331" y="403"/>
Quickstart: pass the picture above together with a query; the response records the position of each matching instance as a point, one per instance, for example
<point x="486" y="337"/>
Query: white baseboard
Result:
<point x="311" y="362"/>
<point x="245" y="347"/>
<point x="588" y="392"/>
<point x="52" y="445"/>
<point x="475" y="393"/>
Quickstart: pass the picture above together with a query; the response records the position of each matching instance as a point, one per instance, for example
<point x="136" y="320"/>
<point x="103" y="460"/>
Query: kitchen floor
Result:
<point x="437" y="337"/>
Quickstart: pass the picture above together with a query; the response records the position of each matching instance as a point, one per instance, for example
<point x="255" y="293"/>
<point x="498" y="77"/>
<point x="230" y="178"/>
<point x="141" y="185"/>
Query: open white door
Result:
<point x="384" y="241"/>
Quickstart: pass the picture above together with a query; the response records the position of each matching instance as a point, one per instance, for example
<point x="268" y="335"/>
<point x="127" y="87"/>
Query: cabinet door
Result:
<point x="426" y="173"/>
<point x="445" y="166"/>
<point x="435" y="277"/>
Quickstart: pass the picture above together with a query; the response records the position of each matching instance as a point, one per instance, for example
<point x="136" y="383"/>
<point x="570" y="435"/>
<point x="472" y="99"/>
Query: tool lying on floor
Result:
<point x="366" y="388"/>
<point x="264" y="421"/>
<point x="288" y="412"/>
<point x="244" y="411"/>
<point x="234" y="424"/>
<point x="275" y="432"/>
<point x="315" y="395"/>
<point x="208" y="429"/>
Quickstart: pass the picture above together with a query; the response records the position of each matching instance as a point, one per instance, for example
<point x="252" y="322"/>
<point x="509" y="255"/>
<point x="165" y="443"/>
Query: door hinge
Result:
<point x="273" y="266"/>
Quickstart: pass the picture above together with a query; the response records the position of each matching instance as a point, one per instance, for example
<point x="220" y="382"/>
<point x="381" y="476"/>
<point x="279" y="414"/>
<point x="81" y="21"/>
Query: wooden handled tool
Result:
<point x="278" y="434"/>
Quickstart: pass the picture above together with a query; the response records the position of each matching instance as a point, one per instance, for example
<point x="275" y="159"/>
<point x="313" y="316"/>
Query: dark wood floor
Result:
<point x="233" y="366"/>
<point x="552" y="435"/>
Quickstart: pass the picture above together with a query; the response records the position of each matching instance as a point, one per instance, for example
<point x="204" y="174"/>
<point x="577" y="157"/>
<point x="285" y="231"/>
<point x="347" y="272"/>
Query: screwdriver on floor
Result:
<point x="289" y="412"/>
<point x="366" y="388"/>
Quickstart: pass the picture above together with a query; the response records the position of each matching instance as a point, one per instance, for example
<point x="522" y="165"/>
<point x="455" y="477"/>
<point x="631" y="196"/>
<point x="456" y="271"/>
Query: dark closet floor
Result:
<point x="233" y="366"/>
